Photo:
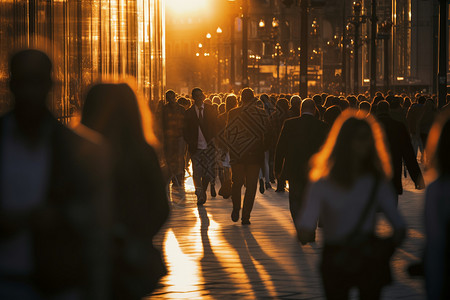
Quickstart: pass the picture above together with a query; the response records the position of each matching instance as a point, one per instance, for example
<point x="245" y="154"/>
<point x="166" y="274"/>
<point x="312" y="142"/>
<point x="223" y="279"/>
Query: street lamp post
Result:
<point x="245" y="43"/>
<point x="443" y="48"/>
<point x="357" y="19"/>
<point x="373" y="50"/>
<point x="219" y="80"/>
<point x="384" y="33"/>
<point x="304" y="49"/>
<point x="277" y="55"/>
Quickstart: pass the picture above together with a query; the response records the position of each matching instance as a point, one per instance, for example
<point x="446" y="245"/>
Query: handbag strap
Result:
<point x="365" y="212"/>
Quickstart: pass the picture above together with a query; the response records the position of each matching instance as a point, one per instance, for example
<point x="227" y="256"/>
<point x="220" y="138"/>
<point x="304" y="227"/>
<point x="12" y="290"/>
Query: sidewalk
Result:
<point x="210" y="257"/>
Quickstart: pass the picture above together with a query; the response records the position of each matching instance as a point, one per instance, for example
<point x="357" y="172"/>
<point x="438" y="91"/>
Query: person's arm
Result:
<point x="160" y="195"/>
<point x="306" y="223"/>
<point x="387" y="204"/>
<point x="410" y="158"/>
<point x="435" y="244"/>
<point x="280" y="150"/>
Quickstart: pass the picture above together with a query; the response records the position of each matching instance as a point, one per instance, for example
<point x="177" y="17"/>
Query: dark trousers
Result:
<point x="296" y="195"/>
<point x="202" y="169"/>
<point x="248" y="174"/>
<point x="337" y="283"/>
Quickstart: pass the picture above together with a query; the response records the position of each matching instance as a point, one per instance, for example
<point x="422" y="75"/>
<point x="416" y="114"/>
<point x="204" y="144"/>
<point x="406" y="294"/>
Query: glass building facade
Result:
<point x="89" y="40"/>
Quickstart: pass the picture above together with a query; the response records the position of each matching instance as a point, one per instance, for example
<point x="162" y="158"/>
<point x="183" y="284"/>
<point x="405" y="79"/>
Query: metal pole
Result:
<point x="218" y="65"/>
<point x="278" y="68"/>
<point x="442" y="73"/>
<point x="386" y="64"/>
<point x="373" y="51"/>
<point x="232" y="56"/>
<point x="244" y="43"/>
<point x="344" y="51"/>
<point x="304" y="49"/>
<point x="356" y="58"/>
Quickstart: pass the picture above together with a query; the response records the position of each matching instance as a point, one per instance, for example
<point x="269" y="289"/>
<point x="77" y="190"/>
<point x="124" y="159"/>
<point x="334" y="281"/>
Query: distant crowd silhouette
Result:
<point x="79" y="207"/>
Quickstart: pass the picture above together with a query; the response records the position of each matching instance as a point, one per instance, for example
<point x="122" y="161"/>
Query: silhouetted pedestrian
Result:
<point x="140" y="205"/>
<point x="53" y="186"/>
<point x="247" y="138"/>
<point x="299" y="139"/>
<point x="200" y="128"/>
<point x="349" y="183"/>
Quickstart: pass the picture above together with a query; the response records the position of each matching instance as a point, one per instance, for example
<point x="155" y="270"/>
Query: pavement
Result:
<point x="210" y="257"/>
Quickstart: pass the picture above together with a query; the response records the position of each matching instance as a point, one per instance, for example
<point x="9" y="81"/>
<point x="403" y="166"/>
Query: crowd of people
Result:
<point x="79" y="208"/>
<point x="342" y="156"/>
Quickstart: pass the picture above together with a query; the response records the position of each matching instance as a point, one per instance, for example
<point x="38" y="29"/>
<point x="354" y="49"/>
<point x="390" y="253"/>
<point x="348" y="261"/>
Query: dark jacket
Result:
<point x="191" y="124"/>
<point x="247" y="134"/>
<point x="70" y="236"/>
<point x="401" y="150"/>
<point x="299" y="139"/>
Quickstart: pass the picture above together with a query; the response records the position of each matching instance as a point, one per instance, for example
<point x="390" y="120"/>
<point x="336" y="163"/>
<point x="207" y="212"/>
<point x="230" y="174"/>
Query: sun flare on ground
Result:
<point x="186" y="6"/>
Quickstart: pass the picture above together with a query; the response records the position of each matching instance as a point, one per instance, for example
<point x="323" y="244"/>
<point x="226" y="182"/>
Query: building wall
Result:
<point x="88" y="40"/>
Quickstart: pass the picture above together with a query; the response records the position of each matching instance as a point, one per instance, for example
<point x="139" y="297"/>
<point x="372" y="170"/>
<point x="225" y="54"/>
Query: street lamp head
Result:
<point x="275" y="23"/>
<point x="219" y="30"/>
<point x="357" y="8"/>
<point x="197" y="54"/>
<point x="200" y="45"/>
<point x="261" y="24"/>
<point x="208" y="35"/>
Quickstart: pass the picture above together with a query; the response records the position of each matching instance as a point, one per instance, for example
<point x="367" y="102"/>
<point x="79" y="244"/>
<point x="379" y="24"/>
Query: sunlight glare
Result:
<point x="186" y="7"/>
<point x="183" y="269"/>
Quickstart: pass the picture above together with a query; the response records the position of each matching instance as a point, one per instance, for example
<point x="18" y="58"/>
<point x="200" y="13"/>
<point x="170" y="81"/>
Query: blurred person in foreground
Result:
<point x="437" y="212"/>
<point x="139" y="199"/>
<point x="247" y="139"/>
<point x="54" y="213"/>
<point x="349" y="179"/>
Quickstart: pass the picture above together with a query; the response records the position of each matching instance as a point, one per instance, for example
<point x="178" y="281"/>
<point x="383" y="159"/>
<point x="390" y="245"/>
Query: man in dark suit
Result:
<point x="54" y="209"/>
<point x="199" y="132"/>
<point x="172" y="121"/>
<point x="299" y="139"/>
<point x="400" y="148"/>
<point x="247" y="138"/>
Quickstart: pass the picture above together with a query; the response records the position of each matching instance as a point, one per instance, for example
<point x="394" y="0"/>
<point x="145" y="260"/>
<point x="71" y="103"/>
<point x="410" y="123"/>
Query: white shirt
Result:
<point x="25" y="170"/>
<point x="201" y="144"/>
<point x="340" y="208"/>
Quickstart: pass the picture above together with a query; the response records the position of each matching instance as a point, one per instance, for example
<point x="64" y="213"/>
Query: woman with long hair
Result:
<point x="139" y="200"/>
<point x="349" y="182"/>
<point x="437" y="211"/>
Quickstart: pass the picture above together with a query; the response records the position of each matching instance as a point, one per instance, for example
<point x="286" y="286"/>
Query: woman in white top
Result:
<point x="342" y="180"/>
<point x="437" y="212"/>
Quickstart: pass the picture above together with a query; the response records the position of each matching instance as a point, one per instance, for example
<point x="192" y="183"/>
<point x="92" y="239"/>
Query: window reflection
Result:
<point x="89" y="40"/>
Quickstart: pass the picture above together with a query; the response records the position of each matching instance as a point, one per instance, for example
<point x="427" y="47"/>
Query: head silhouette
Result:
<point x="198" y="96"/>
<point x="113" y="111"/>
<point x="170" y="96"/>
<point x="30" y="82"/>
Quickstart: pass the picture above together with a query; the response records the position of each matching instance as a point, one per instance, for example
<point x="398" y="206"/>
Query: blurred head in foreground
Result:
<point x="354" y="147"/>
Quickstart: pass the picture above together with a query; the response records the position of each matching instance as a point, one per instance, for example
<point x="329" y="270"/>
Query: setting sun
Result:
<point x="183" y="6"/>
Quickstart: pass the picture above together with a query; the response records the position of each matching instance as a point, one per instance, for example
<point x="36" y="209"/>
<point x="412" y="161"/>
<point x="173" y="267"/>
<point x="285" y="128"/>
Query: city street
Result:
<point x="210" y="257"/>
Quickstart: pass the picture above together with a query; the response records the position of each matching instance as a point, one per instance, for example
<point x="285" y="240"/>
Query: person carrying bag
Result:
<point x="349" y="184"/>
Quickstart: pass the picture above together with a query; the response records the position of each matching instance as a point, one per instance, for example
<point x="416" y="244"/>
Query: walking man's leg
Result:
<point x="251" y="179"/>
<point x="237" y="181"/>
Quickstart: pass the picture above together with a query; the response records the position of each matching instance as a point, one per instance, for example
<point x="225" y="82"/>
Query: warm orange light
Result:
<point x="208" y="35"/>
<point x="186" y="7"/>
<point x="219" y="30"/>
